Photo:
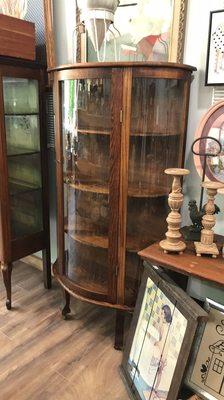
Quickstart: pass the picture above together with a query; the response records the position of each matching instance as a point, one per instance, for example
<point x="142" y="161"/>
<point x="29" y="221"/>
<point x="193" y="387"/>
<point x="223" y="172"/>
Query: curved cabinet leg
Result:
<point x="66" y="310"/>
<point x="7" y="273"/>
<point x="46" y="254"/>
<point x="119" y="330"/>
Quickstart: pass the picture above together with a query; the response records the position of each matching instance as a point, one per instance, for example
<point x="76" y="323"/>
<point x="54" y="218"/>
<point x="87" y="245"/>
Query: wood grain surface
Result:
<point x="43" y="357"/>
<point x="188" y="263"/>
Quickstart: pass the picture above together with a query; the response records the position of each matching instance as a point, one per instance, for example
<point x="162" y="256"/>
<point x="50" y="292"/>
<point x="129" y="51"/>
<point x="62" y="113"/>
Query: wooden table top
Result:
<point x="204" y="267"/>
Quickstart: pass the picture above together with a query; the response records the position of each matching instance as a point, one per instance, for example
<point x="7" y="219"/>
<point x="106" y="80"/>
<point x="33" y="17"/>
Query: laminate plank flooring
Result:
<point x="43" y="357"/>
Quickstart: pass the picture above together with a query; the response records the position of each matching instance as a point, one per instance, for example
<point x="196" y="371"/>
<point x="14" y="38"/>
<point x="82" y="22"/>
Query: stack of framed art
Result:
<point x="160" y="339"/>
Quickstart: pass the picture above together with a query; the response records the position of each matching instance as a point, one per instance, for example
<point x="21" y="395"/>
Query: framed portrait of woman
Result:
<point x="161" y="335"/>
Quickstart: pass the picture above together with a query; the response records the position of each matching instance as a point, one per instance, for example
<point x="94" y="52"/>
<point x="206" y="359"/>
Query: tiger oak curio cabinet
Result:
<point x="118" y="126"/>
<point x="24" y="219"/>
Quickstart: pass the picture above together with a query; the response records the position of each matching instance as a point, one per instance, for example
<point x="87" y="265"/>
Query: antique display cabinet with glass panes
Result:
<point x="118" y="127"/>
<point x="24" y="220"/>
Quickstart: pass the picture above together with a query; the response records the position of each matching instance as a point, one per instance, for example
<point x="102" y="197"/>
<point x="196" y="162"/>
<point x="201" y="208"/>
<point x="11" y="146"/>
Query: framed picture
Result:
<point x="161" y="334"/>
<point x="150" y="30"/>
<point x="215" y="56"/>
<point x="212" y="125"/>
<point x="206" y="369"/>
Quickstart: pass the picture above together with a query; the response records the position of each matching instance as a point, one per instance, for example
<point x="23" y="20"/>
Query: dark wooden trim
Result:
<point x="4" y="190"/>
<point x="27" y="245"/>
<point x="124" y="64"/>
<point x="114" y="181"/>
<point x="71" y="287"/>
<point x="125" y="142"/>
<point x="85" y="73"/>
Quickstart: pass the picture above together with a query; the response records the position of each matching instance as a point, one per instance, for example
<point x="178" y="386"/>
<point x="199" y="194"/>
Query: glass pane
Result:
<point x="86" y="136"/>
<point x="22" y="134"/>
<point x="20" y="96"/>
<point x="156" y="129"/>
<point x="22" y="128"/>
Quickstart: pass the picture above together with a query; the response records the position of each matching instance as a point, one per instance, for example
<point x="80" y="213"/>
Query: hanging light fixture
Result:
<point x="97" y="16"/>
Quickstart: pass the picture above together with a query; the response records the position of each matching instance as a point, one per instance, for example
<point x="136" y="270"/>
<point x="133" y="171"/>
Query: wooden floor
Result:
<point x="43" y="357"/>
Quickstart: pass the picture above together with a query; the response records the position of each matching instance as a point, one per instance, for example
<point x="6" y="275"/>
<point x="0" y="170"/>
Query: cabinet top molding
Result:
<point x="124" y="64"/>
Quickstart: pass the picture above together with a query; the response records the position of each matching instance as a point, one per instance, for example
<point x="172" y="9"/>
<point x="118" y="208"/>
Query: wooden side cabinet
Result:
<point x="24" y="219"/>
<point x="118" y="126"/>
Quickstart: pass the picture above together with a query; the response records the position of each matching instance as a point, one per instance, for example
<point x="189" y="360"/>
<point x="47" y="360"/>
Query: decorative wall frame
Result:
<point x="212" y="125"/>
<point x="214" y="75"/>
<point x="176" y="31"/>
<point x="205" y="374"/>
<point x="160" y="338"/>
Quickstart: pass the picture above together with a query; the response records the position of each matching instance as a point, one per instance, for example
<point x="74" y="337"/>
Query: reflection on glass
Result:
<point x="155" y="138"/>
<point x="22" y="134"/>
<point x="20" y="95"/>
<point x="23" y="150"/>
<point x="86" y="136"/>
<point x="26" y="213"/>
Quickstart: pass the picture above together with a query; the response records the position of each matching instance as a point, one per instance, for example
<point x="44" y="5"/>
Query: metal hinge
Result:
<point x="121" y="116"/>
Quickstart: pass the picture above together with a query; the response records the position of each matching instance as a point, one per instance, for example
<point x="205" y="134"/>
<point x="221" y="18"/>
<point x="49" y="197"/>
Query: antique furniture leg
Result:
<point x="206" y="245"/>
<point x="172" y="243"/>
<point x="46" y="254"/>
<point x="119" y="330"/>
<point x="66" y="310"/>
<point x="7" y="272"/>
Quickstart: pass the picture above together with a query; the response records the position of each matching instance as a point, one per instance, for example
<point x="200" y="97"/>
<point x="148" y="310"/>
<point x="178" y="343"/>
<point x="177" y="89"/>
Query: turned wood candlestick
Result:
<point x="206" y="245"/>
<point x="172" y="243"/>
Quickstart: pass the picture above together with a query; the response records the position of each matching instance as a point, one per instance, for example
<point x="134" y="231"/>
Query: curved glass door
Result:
<point x="22" y="126"/>
<point x="156" y="143"/>
<point x="86" y="120"/>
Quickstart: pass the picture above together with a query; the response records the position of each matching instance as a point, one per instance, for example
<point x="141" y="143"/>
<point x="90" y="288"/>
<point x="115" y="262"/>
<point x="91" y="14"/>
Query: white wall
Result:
<point x="201" y="98"/>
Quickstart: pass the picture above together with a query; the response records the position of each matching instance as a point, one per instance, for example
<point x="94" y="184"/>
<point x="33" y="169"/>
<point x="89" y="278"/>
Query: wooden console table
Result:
<point x="205" y="267"/>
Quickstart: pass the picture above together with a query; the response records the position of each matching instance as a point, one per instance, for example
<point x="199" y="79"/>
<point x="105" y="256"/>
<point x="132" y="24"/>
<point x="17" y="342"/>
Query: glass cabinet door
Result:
<point x="22" y="127"/>
<point x="156" y="134"/>
<point x="86" y="116"/>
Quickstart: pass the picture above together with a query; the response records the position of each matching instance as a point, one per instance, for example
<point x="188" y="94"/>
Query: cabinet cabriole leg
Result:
<point x="46" y="254"/>
<point x="66" y="310"/>
<point x="7" y="273"/>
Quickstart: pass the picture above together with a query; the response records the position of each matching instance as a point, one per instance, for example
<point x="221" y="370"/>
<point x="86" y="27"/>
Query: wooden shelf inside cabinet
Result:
<point x="154" y="134"/>
<point x="132" y="191"/>
<point x="93" y="132"/>
<point x="80" y="281"/>
<point x="90" y="240"/>
<point x="20" y="114"/>
<point x="156" y="191"/>
<point x="133" y="245"/>
<point x="18" y="187"/>
<point x="89" y="188"/>
<point x="16" y="152"/>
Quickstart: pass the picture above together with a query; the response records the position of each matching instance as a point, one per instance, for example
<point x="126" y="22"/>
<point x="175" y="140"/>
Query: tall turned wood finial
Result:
<point x="206" y="245"/>
<point x="172" y="243"/>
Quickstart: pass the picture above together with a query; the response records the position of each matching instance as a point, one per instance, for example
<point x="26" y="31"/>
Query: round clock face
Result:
<point x="212" y="125"/>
